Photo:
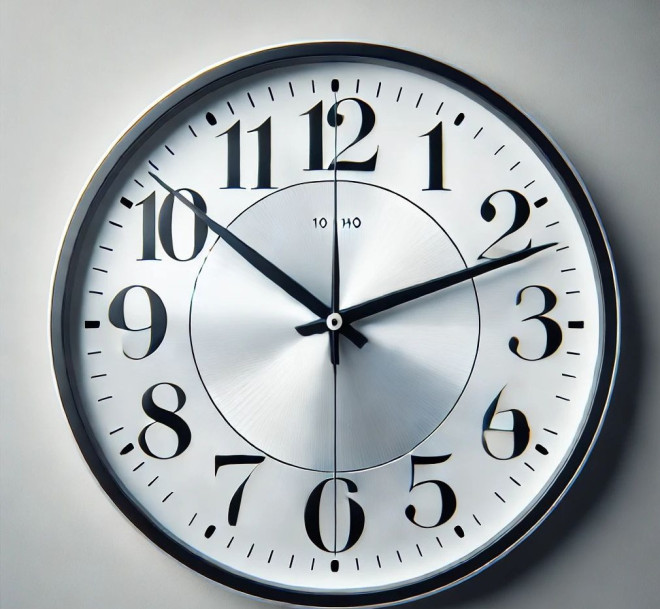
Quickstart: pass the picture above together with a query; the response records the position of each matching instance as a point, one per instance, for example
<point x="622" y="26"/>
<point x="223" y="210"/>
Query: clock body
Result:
<point x="207" y="396"/>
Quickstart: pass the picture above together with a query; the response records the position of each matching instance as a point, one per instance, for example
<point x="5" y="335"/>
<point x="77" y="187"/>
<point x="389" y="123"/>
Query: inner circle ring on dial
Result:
<point x="275" y="387"/>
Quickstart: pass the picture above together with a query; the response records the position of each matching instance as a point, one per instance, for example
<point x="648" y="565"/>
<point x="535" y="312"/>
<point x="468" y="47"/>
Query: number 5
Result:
<point x="447" y="495"/>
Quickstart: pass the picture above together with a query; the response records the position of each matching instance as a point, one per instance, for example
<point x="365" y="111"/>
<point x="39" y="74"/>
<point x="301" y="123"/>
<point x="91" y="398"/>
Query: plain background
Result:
<point x="75" y="73"/>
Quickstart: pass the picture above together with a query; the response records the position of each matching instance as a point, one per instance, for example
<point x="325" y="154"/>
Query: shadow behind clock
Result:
<point x="594" y="482"/>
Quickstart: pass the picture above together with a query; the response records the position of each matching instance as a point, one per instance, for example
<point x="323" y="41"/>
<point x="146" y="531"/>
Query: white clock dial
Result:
<point x="335" y="324"/>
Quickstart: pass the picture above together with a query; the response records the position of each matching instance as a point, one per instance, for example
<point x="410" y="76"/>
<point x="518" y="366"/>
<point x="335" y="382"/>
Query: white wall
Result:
<point x="75" y="74"/>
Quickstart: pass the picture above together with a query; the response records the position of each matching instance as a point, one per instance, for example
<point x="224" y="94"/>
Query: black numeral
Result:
<point x="237" y="497"/>
<point x="233" y="134"/>
<point x="233" y="155"/>
<point x="553" y="335"/>
<point x="167" y="418"/>
<point x="148" y="207"/>
<point x="157" y="318"/>
<point x="263" y="142"/>
<point x="165" y="226"/>
<point x="520" y="216"/>
<point x="315" y="117"/>
<point x="447" y="496"/>
<point x="505" y="433"/>
<point x="313" y="511"/>
<point x="436" y="161"/>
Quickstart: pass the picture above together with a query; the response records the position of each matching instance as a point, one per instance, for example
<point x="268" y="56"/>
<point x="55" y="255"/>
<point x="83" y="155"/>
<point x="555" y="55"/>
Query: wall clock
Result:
<point x="335" y="324"/>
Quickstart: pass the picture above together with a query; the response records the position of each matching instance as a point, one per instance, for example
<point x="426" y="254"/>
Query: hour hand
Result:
<point x="267" y="268"/>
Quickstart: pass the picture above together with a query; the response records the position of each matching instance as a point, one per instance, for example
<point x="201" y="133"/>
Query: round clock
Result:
<point x="334" y="324"/>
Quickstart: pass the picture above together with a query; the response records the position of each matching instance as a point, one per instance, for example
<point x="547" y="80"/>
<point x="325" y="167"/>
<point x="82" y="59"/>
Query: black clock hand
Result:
<point x="393" y="299"/>
<point x="334" y="300"/>
<point x="267" y="268"/>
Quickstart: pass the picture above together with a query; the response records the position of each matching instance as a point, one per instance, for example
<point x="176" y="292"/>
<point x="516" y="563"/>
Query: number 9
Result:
<point x="157" y="314"/>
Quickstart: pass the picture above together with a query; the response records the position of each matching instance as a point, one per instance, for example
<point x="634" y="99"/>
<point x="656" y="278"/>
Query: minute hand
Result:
<point x="394" y="299"/>
<point x="267" y="268"/>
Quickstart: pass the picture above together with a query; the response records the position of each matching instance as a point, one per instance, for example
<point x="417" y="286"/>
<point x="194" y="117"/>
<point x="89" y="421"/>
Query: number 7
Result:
<point x="235" y="503"/>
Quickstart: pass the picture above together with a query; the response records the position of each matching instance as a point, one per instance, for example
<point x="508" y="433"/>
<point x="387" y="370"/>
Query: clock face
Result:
<point x="334" y="324"/>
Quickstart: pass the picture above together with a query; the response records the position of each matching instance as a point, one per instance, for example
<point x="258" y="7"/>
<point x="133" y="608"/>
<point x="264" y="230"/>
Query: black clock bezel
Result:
<point x="221" y="75"/>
